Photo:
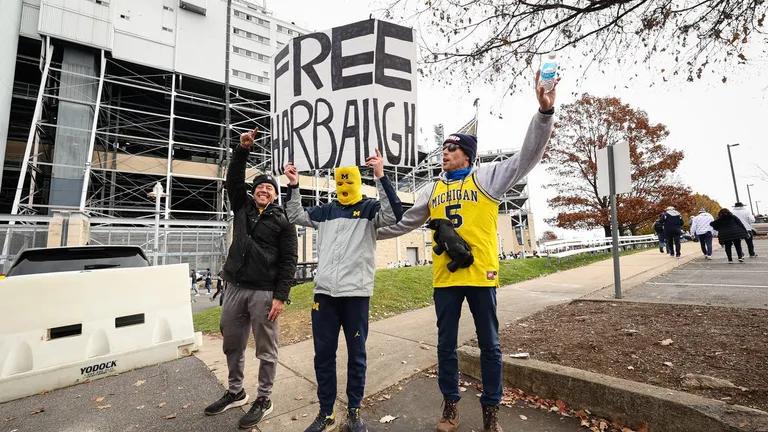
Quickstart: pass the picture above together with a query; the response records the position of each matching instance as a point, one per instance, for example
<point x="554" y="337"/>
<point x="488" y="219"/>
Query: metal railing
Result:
<point x="202" y="244"/>
<point x="563" y="248"/>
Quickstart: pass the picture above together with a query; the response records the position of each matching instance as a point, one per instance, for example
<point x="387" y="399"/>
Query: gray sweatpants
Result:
<point x="244" y="311"/>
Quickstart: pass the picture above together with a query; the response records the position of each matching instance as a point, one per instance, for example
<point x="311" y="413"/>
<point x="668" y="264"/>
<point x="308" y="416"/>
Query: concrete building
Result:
<point x="100" y="100"/>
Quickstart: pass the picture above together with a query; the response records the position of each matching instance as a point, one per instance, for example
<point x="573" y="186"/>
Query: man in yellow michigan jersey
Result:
<point x="470" y="199"/>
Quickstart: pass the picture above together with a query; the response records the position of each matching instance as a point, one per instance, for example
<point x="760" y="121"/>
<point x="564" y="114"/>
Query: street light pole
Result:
<point x="733" y="175"/>
<point x="749" y="196"/>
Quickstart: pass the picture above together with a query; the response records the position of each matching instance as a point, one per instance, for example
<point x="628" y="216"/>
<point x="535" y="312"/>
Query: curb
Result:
<point x="631" y="403"/>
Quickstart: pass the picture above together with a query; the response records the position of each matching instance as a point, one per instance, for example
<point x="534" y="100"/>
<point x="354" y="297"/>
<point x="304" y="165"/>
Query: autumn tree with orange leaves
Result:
<point x="589" y="124"/>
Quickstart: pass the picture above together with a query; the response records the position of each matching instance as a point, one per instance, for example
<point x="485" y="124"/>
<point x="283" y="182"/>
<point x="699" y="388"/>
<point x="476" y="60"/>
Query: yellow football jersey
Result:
<point x="475" y="215"/>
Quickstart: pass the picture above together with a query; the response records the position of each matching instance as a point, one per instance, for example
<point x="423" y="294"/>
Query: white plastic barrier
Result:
<point x="60" y="329"/>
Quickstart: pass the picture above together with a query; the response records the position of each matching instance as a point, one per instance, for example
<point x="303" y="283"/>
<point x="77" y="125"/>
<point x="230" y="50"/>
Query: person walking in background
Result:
<point x="730" y="231"/>
<point x="702" y="230"/>
<point x="193" y="276"/>
<point x="208" y="280"/>
<point x="673" y="229"/>
<point x="658" y="227"/>
<point x="747" y="219"/>
<point x="219" y="289"/>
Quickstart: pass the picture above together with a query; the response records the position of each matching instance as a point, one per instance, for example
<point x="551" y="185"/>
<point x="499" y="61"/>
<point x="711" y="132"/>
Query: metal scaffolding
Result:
<point x="148" y="126"/>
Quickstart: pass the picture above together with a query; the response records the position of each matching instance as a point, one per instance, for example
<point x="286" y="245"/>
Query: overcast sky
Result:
<point x="702" y="117"/>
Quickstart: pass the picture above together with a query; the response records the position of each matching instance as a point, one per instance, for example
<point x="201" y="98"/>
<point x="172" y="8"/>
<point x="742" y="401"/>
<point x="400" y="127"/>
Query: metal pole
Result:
<point x="757" y="206"/>
<point x="733" y="175"/>
<point x="749" y="196"/>
<point x="224" y="149"/>
<point x="27" y="150"/>
<point x="158" y="191"/>
<point x="92" y="140"/>
<point x="614" y="224"/>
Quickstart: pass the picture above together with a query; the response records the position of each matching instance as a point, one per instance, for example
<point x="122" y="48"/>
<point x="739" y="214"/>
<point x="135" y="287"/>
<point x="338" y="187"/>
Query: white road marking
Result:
<point x="707" y="285"/>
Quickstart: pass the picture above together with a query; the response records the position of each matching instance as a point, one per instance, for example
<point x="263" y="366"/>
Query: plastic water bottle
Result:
<point x="548" y="73"/>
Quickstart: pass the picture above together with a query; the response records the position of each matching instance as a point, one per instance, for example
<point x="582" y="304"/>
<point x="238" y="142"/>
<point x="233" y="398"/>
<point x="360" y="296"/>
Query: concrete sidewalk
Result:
<point x="707" y="282"/>
<point x="402" y="345"/>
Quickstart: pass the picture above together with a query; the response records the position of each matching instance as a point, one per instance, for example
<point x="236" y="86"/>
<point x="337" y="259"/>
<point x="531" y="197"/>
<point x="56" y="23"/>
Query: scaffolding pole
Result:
<point x="92" y="139"/>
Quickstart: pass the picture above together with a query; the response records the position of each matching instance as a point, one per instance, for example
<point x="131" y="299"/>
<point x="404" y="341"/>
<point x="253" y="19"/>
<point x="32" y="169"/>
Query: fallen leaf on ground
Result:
<point x="38" y="411"/>
<point x="161" y="404"/>
<point x="522" y="417"/>
<point x="462" y="389"/>
<point x="140" y="407"/>
<point x="99" y="399"/>
<point x="104" y="406"/>
<point x="666" y="342"/>
<point x="387" y="419"/>
<point x="185" y="406"/>
<point x="669" y="364"/>
<point x="138" y="383"/>
<point x="561" y="405"/>
<point x="170" y="416"/>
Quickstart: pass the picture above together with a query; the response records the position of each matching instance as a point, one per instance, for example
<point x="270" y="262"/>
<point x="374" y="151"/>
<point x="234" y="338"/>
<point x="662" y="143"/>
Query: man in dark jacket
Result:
<point x="260" y="270"/>
<point x="673" y="229"/>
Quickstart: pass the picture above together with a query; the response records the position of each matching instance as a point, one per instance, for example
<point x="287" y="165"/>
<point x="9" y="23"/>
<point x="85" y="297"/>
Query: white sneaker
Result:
<point x="707" y="257"/>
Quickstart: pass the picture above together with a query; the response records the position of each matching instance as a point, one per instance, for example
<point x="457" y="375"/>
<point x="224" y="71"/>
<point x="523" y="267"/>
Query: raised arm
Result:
<point x="296" y="213"/>
<point x="498" y="178"/>
<point x="237" y="190"/>
<point x="389" y="209"/>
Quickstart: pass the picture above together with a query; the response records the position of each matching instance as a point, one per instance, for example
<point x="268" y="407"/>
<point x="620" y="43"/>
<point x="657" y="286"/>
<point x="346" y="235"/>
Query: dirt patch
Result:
<point x="624" y="340"/>
<point x="295" y="327"/>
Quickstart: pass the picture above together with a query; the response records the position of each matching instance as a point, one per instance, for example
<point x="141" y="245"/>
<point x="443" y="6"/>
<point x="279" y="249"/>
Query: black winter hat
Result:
<point x="265" y="178"/>
<point x="467" y="143"/>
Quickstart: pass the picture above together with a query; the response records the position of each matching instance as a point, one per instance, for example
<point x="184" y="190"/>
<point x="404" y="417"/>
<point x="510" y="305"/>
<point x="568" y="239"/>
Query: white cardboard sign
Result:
<point x="339" y="94"/>
<point x="622" y="169"/>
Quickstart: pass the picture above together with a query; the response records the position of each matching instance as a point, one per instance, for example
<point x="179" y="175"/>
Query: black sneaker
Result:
<point x="259" y="409"/>
<point x="322" y="423"/>
<point x="355" y="423"/>
<point x="229" y="400"/>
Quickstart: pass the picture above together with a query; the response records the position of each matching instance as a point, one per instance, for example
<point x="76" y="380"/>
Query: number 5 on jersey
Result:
<point x="452" y="213"/>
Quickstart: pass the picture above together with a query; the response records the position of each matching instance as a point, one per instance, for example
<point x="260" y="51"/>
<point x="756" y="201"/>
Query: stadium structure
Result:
<point x="117" y="118"/>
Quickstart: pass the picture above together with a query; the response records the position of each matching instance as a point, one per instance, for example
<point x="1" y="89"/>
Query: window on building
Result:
<point x="249" y="76"/>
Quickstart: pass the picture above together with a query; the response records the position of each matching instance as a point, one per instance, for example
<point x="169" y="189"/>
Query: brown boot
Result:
<point x="491" y="418"/>
<point x="449" y="422"/>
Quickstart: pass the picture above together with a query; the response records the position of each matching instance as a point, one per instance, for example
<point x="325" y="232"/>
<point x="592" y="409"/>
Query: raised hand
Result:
<point x="292" y="174"/>
<point x="377" y="163"/>
<point x="546" y="98"/>
<point x="247" y="138"/>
